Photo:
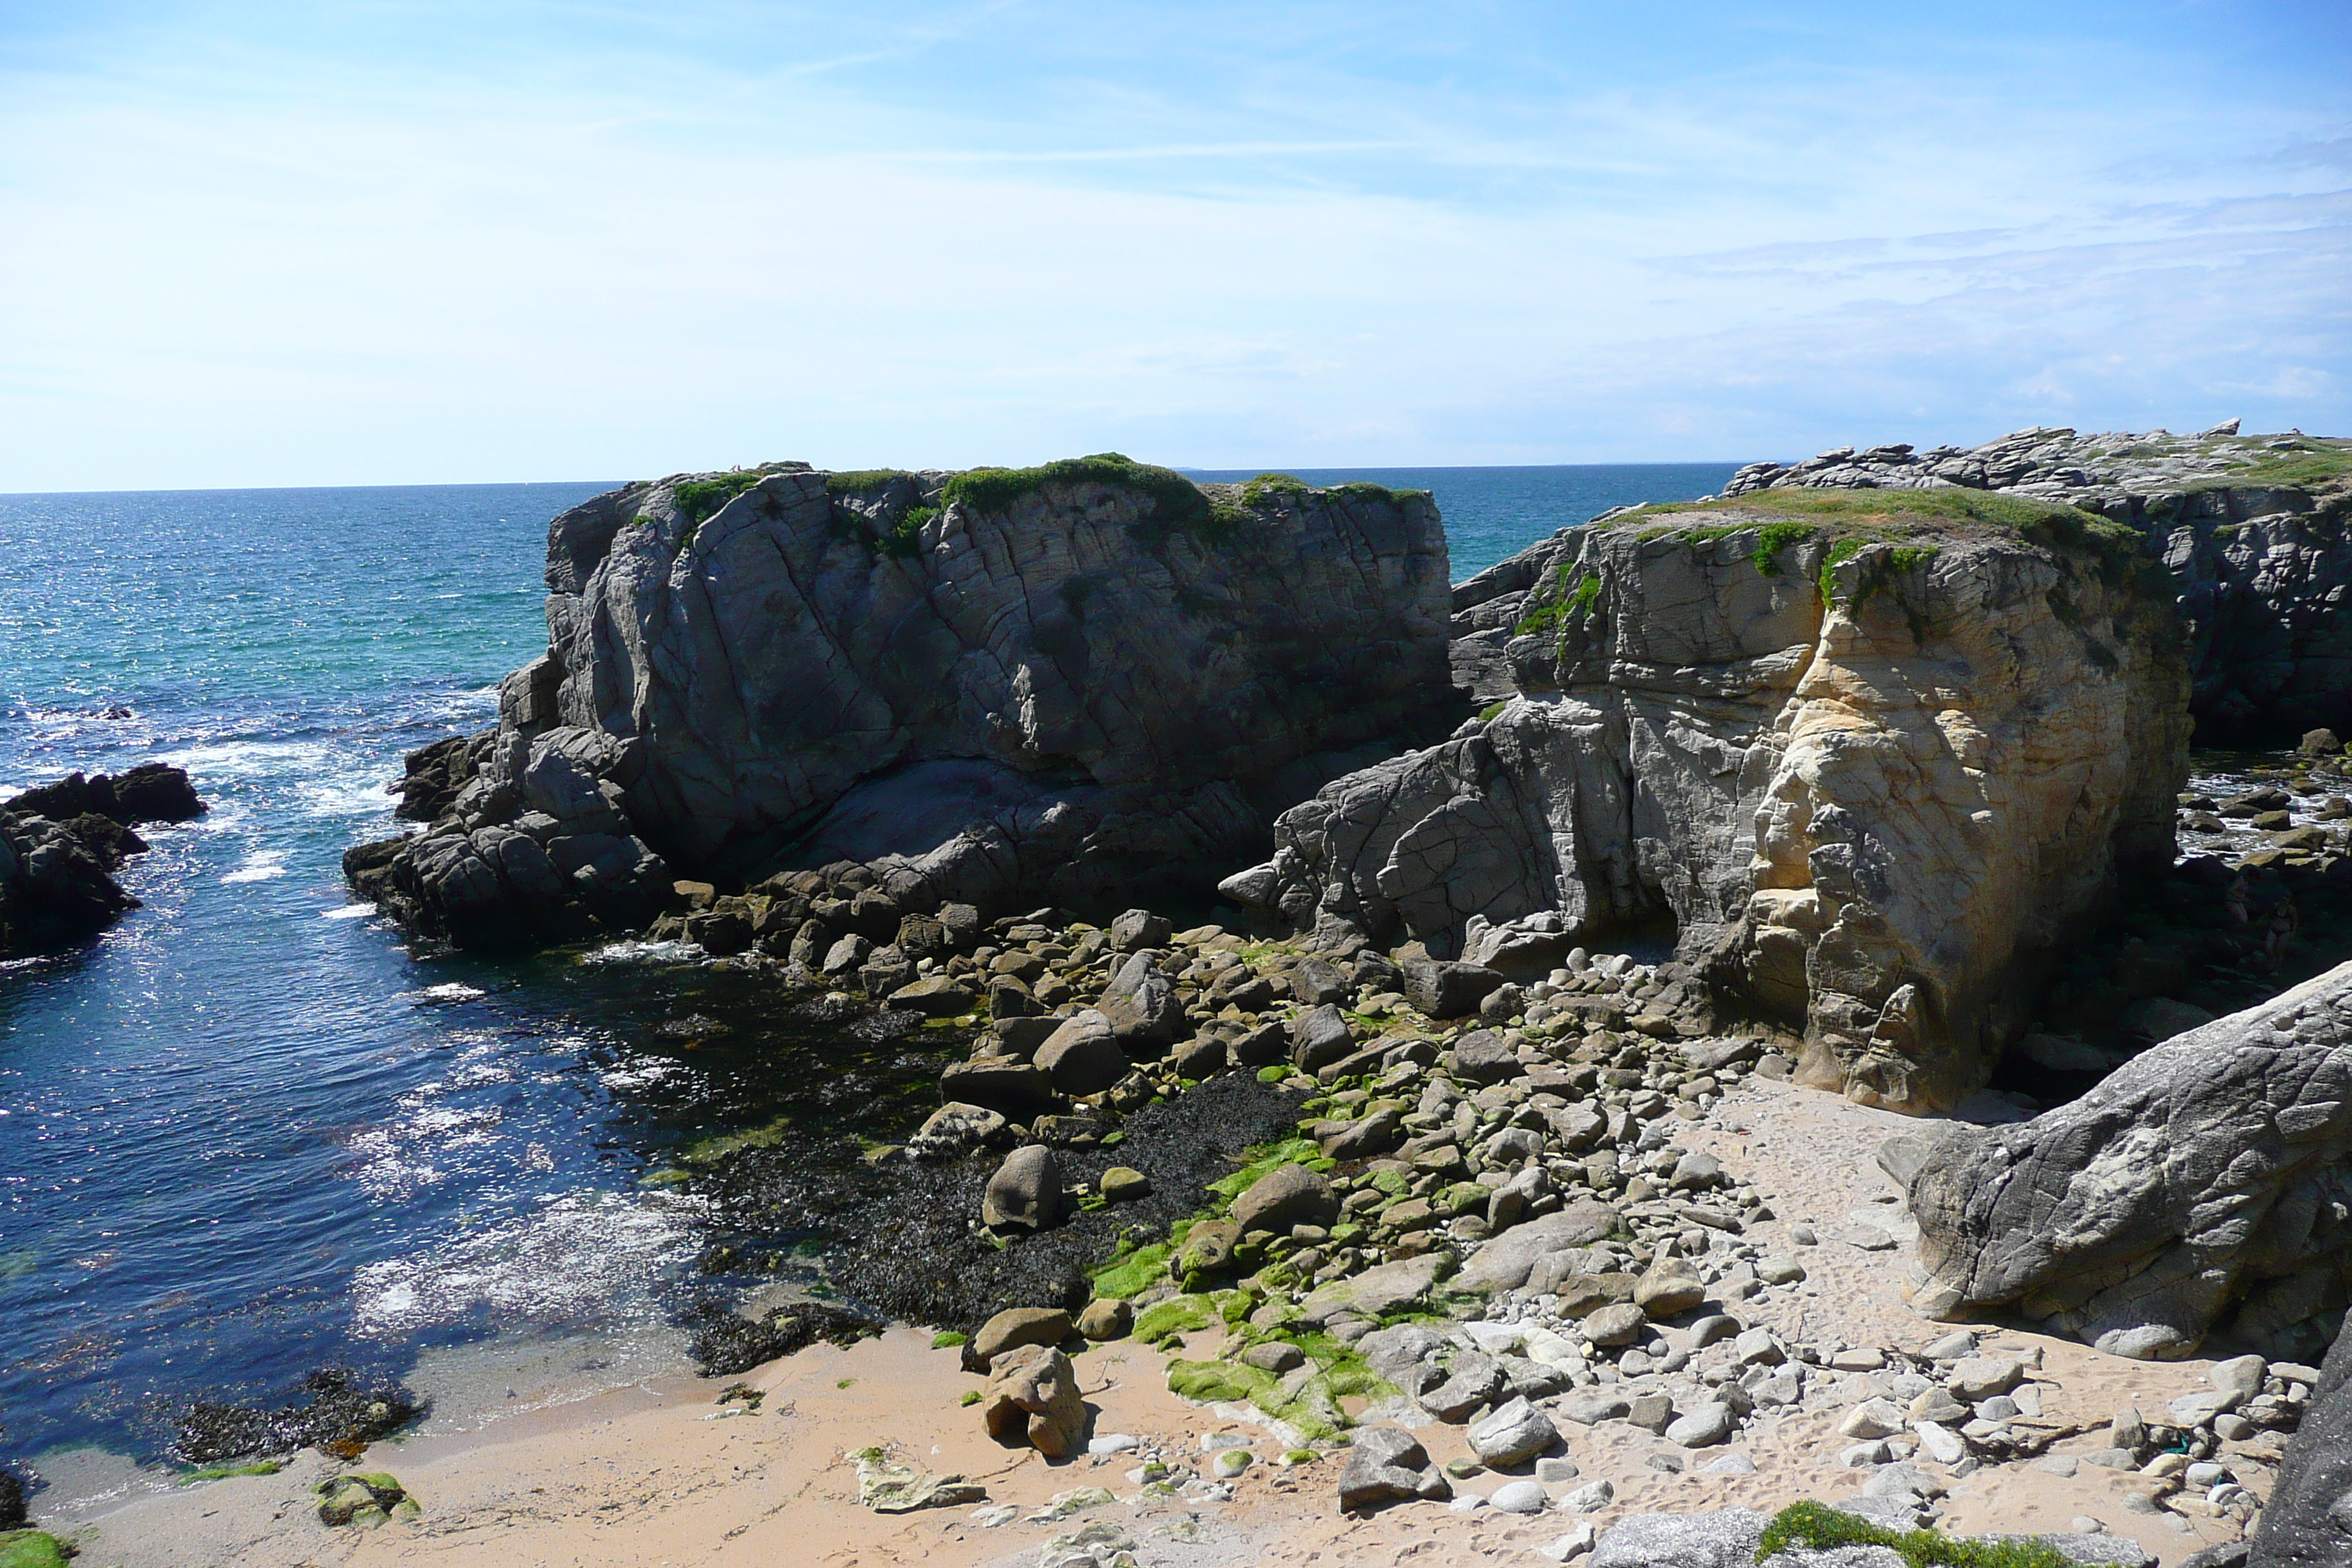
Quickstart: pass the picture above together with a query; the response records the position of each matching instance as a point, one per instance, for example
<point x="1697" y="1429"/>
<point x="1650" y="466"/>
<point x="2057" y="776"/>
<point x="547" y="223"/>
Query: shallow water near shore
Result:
<point x="245" y="1134"/>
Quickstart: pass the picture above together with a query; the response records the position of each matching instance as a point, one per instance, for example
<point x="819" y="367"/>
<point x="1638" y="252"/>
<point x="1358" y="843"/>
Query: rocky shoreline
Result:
<point x="1400" y="1156"/>
<point x="60" y="844"/>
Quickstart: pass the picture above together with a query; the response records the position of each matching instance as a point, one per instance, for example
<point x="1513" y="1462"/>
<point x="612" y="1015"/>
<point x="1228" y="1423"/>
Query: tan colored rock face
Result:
<point x="1866" y="812"/>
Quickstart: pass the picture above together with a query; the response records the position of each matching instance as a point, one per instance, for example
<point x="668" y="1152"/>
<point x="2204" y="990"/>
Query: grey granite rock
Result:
<point x="2308" y="1520"/>
<point x="2196" y="1187"/>
<point x="1046" y="686"/>
<point x="1726" y="1539"/>
<point x="2259" y="554"/>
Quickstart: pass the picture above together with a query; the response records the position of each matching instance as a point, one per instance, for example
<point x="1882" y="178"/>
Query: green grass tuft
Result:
<point x="31" y="1549"/>
<point x="1774" y="537"/>
<point x="1843" y="551"/>
<point x="1265" y="485"/>
<point x="1823" y="1528"/>
<point x="858" y="481"/>
<point x="696" y="499"/>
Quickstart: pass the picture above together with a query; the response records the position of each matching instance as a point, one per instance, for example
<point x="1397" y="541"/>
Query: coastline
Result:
<point x="658" y="1472"/>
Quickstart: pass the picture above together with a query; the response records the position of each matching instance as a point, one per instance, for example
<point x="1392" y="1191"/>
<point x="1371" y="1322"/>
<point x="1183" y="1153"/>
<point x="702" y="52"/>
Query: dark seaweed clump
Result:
<point x="337" y="1415"/>
<point x="726" y="1343"/>
<point x="12" y="1501"/>
<point x="902" y="1241"/>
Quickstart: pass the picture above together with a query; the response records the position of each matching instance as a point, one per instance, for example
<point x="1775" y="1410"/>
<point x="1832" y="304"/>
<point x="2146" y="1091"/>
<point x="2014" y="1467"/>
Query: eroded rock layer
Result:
<point x="1870" y="768"/>
<point x="2202" y="1186"/>
<point x="1052" y="683"/>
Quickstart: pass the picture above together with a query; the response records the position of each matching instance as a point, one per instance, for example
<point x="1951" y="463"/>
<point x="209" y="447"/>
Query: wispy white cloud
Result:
<point x="414" y="242"/>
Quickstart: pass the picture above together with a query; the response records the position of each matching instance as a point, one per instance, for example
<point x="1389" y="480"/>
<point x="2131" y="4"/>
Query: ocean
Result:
<point x="244" y="1134"/>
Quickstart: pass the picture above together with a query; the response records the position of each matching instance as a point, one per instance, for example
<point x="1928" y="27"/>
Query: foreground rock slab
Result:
<point x="2197" y="1188"/>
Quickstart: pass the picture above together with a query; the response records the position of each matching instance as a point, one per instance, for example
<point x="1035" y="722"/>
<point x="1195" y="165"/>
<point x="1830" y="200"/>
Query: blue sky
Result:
<point x="388" y="242"/>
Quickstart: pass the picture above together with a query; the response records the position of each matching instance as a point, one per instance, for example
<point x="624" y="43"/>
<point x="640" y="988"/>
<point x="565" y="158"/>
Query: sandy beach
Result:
<point x="658" y="1473"/>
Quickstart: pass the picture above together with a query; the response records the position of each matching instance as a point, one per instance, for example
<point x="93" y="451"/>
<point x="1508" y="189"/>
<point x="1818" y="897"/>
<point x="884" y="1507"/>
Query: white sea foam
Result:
<point x="348" y="912"/>
<point x="584" y="1257"/>
<point x="643" y="1073"/>
<point x="443" y="994"/>
<point x="644" y="953"/>
<point x="259" y="865"/>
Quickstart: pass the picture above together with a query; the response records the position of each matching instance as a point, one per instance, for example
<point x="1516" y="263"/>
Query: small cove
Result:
<point x="245" y="1134"/>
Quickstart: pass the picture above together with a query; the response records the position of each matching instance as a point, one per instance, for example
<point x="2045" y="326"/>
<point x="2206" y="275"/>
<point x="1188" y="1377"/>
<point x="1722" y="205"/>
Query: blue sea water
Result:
<point x="245" y="1134"/>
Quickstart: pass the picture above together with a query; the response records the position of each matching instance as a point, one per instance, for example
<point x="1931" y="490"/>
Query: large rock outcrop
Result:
<point x="60" y="844"/>
<point x="2253" y="527"/>
<point x="1871" y="763"/>
<point x="2203" y="1187"/>
<point x="2306" y="1522"/>
<point x="1050" y="684"/>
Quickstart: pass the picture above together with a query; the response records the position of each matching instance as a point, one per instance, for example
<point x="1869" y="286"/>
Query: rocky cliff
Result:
<point x="2253" y="527"/>
<point x="1870" y="755"/>
<point x="1058" y="683"/>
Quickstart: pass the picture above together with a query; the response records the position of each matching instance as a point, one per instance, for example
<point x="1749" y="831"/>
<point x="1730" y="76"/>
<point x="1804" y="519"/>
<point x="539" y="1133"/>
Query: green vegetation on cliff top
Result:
<point x="1841" y="511"/>
<point x="2311" y="462"/>
<point x="1856" y="518"/>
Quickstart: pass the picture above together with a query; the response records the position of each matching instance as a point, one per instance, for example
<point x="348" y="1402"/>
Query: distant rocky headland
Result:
<point x="1880" y="759"/>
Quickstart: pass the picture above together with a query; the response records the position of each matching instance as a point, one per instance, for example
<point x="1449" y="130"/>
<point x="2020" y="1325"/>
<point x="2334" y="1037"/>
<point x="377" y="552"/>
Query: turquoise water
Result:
<point x="244" y="1134"/>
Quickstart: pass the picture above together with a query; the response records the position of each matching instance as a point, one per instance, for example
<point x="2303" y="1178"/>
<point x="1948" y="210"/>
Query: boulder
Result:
<point x="1006" y="1085"/>
<point x="1367" y="1136"/>
<point x="1669" y="1286"/>
<point x="1012" y="1328"/>
<point x="935" y="997"/>
<point x="1033" y="1397"/>
<point x="1082" y="1055"/>
<point x="955" y="1130"/>
<point x="1447" y="990"/>
<point x="1484" y="1055"/>
<point x="1385" y="1288"/>
<point x="1107" y="1318"/>
<point x="1515" y="1430"/>
<point x="1139" y="929"/>
<point x="996" y="689"/>
<point x="1727" y="1539"/>
<point x="1286" y="1197"/>
<point x="1141" y="1008"/>
<point x="1025" y="1193"/>
<point x="1505" y="1263"/>
<point x="1388" y="1463"/>
<point x="1714" y="721"/>
<point x="1319" y="1038"/>
<point x="2194" y="1189"/>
